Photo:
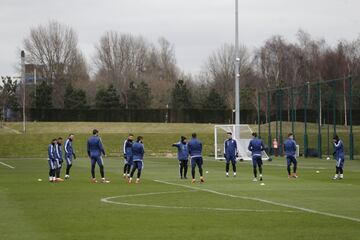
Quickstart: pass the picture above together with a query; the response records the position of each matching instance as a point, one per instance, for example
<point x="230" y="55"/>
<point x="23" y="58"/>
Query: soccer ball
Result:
<point x="327" y="158"/>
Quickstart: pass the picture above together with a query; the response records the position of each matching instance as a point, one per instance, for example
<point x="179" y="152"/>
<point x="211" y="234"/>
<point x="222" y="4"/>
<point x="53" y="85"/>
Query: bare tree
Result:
<point x="221" y="69"/>
<point x="120" y="59"/>
<point x="55" y="47"/>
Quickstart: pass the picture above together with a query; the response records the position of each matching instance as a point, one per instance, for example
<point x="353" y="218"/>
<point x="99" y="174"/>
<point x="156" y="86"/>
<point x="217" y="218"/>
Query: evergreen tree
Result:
<point x="8" y="98"/>
<point x="74" y="98"/>
<point x="43" y="96"/>
<point x="139" y="95"/>
<point x="180" y="96"/>
<point x="214" y="100"/>
<point x="107" y="98"/>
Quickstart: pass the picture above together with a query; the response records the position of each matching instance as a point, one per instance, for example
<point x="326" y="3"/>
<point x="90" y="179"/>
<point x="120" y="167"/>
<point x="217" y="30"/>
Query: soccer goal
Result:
<point x="242" y="135"/>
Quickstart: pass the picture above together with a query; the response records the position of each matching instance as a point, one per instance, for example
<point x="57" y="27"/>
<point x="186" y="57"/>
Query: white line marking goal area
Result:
<point x="115" y="200"/>
<point x="7" y="165"/>
<point x="264" y="201"/>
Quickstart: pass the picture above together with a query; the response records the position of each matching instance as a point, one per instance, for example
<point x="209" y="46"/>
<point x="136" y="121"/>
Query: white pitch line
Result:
<point x="110" y="200"/>
<point x="146" y="194"/>
<point x="12" y="130"/>
<point x="7" y="165"/>
<point x="265" y="201"/>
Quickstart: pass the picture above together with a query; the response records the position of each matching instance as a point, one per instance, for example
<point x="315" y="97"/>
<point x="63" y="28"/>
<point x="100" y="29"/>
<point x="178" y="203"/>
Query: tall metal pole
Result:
<point x="35" y="81"/>
<point x="306" y="95"/>
<point x="258" y="113"/>
<point x="292" y="111"/>
<point x="24" y="87"/>
<point x="277" y="116"/>
<point x="319" y="137"/>
<point x="333" y="96"/>
<point x="269" y="119"/>
<point x="237" y="70"/>
<point x="351" y="135"/>
<point x="328" y="132"/>
<point x="280" y="118"/>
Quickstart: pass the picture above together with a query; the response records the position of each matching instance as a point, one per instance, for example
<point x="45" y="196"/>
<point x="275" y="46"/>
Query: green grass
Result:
<point x="158" y="136"/>
<point x="73" y="210"/>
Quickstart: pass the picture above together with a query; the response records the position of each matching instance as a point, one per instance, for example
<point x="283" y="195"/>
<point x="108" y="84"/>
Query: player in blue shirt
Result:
<point x="138" y="158"/>
<point x="339" y="157"/>
<point x="183" y="156"/>
<point x="290" y="153"/>
<point x="256" y="146"/>
<point x="128" y="158"/>
<point x="195" y="151"/>
<point x="52" y="160"/>
<point x="95" y="149"/>
<point x="69" y="154"/>
<point x="59" y="159"/>
<point x="230" y="153"/>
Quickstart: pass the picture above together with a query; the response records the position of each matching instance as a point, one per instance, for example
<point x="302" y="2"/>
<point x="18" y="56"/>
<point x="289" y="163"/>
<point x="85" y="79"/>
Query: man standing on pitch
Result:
<point x="138" y="157"/>
<point x="339" y="156"/>
<point x="95" y="149"/>
<point x="69" y="154"/>
<point x="52" y="160"/>
<point x="230" y="153"/>
<point x="290" y="152"/>
<point x="183" y="155"/>
<point x="195" y="151"/>
<point x="128" y="157"/>
<point x="256" y="146"/>
<point x="59" y="159"/>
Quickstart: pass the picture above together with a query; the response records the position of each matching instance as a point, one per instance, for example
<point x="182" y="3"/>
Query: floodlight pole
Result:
<point x="237" y="70"/>
<point x="24" y="90"/>
<point x="35" y="80"/>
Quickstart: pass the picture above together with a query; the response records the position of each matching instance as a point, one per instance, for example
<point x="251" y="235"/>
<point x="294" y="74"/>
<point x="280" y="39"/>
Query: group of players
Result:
<point x="133" y="153"/>
<point x="55" y="158"/>
<point x="256" y="147"/>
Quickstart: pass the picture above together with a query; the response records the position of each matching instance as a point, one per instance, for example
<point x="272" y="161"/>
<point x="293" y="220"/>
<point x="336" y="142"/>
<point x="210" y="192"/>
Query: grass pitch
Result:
<point x="162" y="206"/>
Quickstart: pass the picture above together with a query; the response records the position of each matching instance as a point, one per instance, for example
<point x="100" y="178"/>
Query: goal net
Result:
<point x="242" y="135"/>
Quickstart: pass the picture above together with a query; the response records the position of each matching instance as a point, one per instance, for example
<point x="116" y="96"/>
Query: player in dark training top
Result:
<point x="290" y="153"/>
<point x="339" y="157"/>
<point x="69" y="154"/>
<point x="230" y="153"/>
<point x="95" y="149"/>
<point x="195" y="151"/>
<point x="183" y="156"/>
<point x="128" y="156"/>
<point x="256" y="146"/>
<point x="138" y="158"/>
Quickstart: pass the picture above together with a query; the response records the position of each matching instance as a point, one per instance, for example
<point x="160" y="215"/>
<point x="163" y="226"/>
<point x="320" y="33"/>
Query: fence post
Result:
<point x="280" y="118"/>
<point x="351" y="136"/>
<point x="319" y="144"/>
<point x="259" y="130"/>
<point x="292" y="111"/>
<point x="277" y="116"/>
<point x="306" y="89"/>
<point x="333" y="96"/>
<point x="269" y="120"/>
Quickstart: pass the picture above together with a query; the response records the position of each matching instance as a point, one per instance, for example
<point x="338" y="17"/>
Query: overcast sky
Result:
<point x="195" y="27"/>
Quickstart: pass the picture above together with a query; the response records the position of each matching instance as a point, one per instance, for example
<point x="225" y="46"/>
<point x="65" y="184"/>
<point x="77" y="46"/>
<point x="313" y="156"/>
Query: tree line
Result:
<point x="128" y="71"/>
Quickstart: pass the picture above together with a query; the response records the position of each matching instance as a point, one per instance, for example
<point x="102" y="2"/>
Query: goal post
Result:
<point x="242" y="135"/>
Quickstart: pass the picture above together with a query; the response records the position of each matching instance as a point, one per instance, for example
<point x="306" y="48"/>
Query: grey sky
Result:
<point x="195" y="27"/>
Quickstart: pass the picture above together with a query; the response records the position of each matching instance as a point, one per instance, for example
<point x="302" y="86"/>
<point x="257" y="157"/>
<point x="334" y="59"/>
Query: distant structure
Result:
<point x="34" y="74"/>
